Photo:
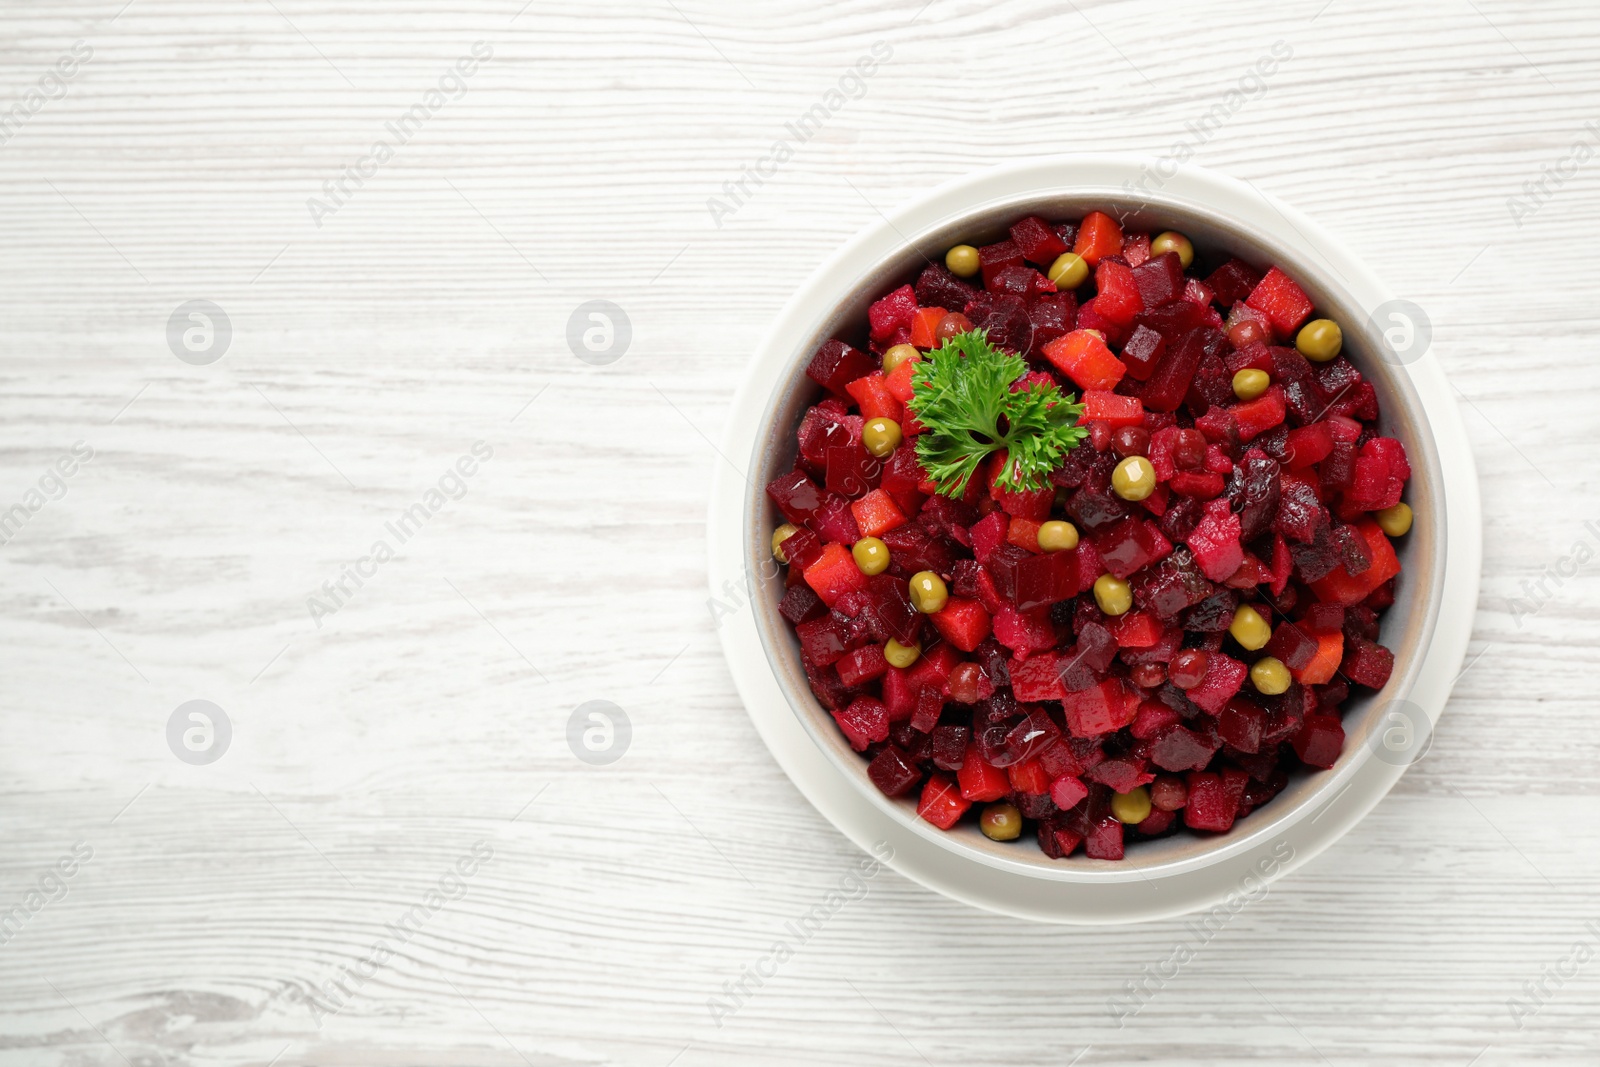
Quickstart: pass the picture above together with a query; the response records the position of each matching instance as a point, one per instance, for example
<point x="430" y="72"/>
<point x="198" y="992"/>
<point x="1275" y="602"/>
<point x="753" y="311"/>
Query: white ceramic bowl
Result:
<point x="1428" y="627"/>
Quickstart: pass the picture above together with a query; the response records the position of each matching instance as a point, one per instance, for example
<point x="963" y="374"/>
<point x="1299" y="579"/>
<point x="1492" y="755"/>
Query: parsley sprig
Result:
<point x="961" y="394"/>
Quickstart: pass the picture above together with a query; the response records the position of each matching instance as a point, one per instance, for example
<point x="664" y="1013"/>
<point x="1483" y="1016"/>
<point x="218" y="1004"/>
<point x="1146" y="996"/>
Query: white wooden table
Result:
<point x="377" y="737"/>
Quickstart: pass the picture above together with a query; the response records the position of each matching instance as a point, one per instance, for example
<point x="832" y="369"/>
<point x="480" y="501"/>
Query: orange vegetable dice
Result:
<point x="1111" y="408"/>
<point x="834" y="573"/>
<point x="1325" y="663"/>
<point x="1082" y="355"/>
<point x="1098" y="236"/>
<point x="876" y="514"/>
<point x="923" y="323"/>
<point x="899" y="380"/>
<point x="1024" y="533"/>
<point x="872" y="395"/>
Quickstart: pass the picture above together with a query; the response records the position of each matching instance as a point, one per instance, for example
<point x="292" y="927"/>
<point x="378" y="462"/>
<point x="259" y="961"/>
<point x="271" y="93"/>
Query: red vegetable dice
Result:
<point x="942" y="804"/>
<point x="864" y="722"/>
<point x="1215" y="541"/>
<point x="980" y="779"/>
<point x="894" y="312"/>
<point x="836" y="365"/>
<point x="1282" y="300"/>
<point x="1037" y="240"/>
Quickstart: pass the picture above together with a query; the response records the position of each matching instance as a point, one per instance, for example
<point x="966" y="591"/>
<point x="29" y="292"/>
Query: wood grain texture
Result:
<point x="429" y="312"/>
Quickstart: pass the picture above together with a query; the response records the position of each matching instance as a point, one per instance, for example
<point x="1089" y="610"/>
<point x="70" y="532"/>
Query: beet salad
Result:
<point x="1090" y="542"/>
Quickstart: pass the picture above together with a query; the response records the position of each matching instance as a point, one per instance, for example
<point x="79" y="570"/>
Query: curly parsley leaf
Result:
<point x="961" y="394"/>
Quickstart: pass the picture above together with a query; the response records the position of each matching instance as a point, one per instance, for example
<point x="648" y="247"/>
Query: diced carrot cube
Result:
<point x="981" y="780"/>
<point x="1024" y="533"/>
<point x="872" y="394"/>
<point x="923" y="323"/>
<point x="1111" y="408"/>
<point x="1098" y="236"/>
<point x="876" y="514"/>
<point x="898" y="382"/>
<point x="1083" y="356"/>
<point x="941" y="803"/>
<point x="834" y="574"/>
<point x="1325" y="663"/>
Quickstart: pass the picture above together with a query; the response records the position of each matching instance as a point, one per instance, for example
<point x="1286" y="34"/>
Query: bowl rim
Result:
<point x="1437" y="645"/>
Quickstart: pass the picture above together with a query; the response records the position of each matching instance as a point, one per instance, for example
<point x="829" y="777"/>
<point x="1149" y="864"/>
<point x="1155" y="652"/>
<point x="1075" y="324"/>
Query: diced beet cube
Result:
<point x="891" y="313"/>
<point x="1292" y="645"/>
<point x="1214" y="614"/>
<point x="1381" y="470"/>
<point x="1319" y="740"/>
<point x="988" y="534"/>
<point x="862" y="665"/>
<point x="1066" y="791"/>
<point x="801" y="604"/>
<point x="822" y="429"/>
<point x="1212" y="385"/>
<point x="801" y="548"/>
<point x="938" y="287"/>
<point x="822" y="640"/>
<point x="1130" y="545"/>
<point x="1027" y="503"/>
<point x="1257" y="416"/>
<point x="1035" y="678"/>
<point x="1024" y="631"/>
<point x="1233" y="281"/>
<point x="900" y="477"/>
<point x="1172" y="585"/>
<point x="836" y="365"/>
<point x="1241" y="724"/>
<point x="1020" y="281"/>
<point x="1224" y="675"/>
<point x="1104" y="841"/>
<point x="948" y="518"/>
<point x="1037" y="240"/>
<point x="1167" y="387"/>
<point x="892" y="772"/>
<point x="1209" y="806"/>
<point x="993" y="259"/>
<point x="1309" y="445"/>
<point x="1215" y="541"/>
<point x="1324" y="618"/>
<point x="1367" y="663"/>
<point x="1255" y="491"/>
<point x="1160" y="280"/>
<point x="1181" y="749"/>
<point x="911" y="549"/>
<point x="1051" y="316"/>
<point x="949" y="746"/>
<point x="865" y="721"/>
<point x="796" y="496"/>
<point x="1142" y="352"/>
<point x="941" y="803"/>
<point x="852" y="470"/>
<point x="1106" y="707"/>
<point x="1032" y="581"/>
<point x="1282" y="300"/>
<point x="1123" y="774"/>
<point x="1354" y="555"/>
<point x="1153" y="719"/>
